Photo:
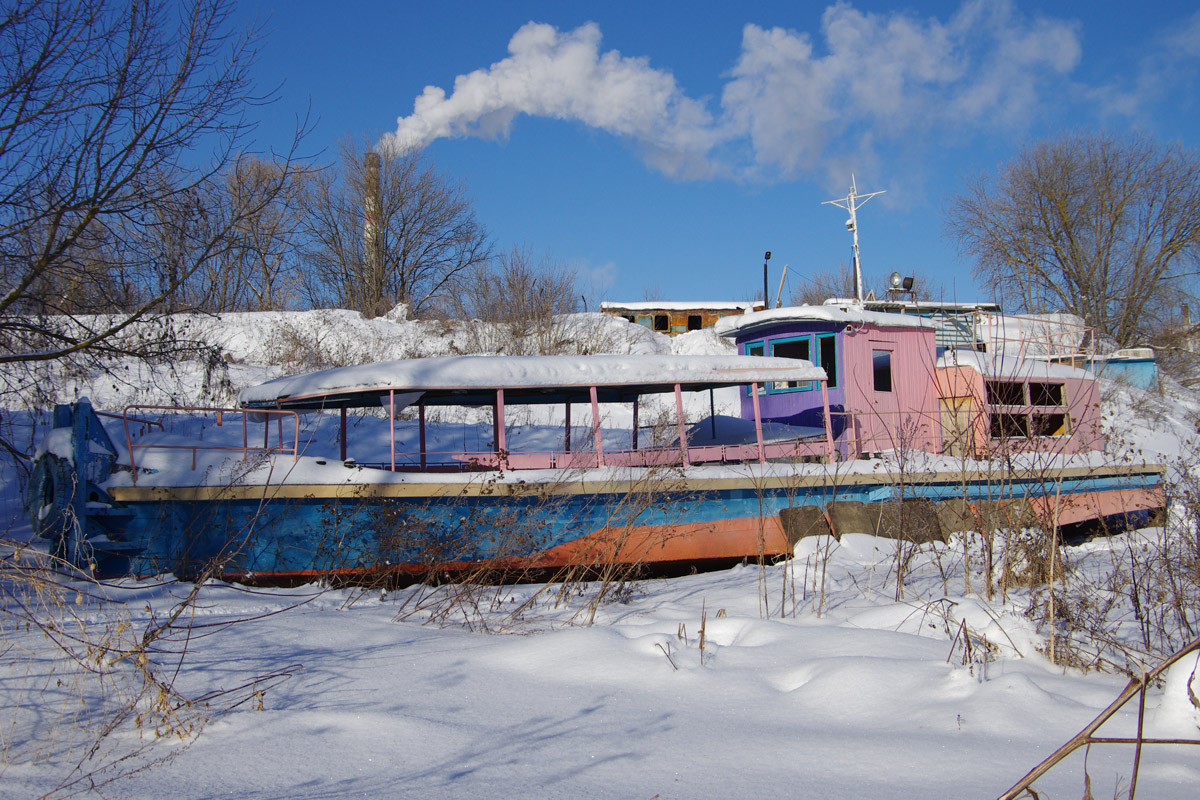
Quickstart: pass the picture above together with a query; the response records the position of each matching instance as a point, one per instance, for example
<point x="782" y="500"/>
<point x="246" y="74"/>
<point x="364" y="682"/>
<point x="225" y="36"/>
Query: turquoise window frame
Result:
<point x="761" y="345"/>
<point x="831" y="375"/>
<point x="778" y="387"/>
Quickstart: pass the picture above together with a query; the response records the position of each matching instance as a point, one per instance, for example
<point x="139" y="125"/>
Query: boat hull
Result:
<point x="362" y="521"/>
<point x="295" y="531"/>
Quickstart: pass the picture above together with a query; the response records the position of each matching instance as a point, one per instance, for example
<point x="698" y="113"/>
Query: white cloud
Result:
<point x="884" y="77"/>
<point x="790" y="102"/>
<point x="1184" y="40"/>
<point x="1169" y="70"/>
<point x="565" y="76"/>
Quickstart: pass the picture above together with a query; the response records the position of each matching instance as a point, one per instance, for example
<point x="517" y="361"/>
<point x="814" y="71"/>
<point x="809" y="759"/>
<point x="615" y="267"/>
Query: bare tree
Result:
<point x="105" y="200"/>
<point x="1103" y="226"/>
<point x="258" y="270"/>
<point x="524" y="303"/>
<point x="821" y="286"/>
<point x="424" y="237"/>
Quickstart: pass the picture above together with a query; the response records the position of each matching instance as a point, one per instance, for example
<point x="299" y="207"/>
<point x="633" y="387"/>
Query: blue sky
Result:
<point x="662" y="147"/>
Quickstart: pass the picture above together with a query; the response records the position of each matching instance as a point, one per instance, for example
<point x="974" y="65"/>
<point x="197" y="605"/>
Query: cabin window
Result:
<point x="629" y="318"/>
<point x="1046" y="394"/>
<point x="644" y="320"/>
<point x="756" y="349"/>
<point x="827" y="354"/>
<point x="881" y="363"/>
<point x="1049" y="424"/>
<point x="661" y="322"/>
<point x="792" y="348"/>
<point x="1005" y="393"/>
<point x="694" y="322"/>
<point x="1010" y="426"/>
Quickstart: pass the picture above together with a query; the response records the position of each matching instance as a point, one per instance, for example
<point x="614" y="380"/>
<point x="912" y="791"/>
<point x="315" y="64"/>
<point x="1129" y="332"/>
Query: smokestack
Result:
<point x="374" y="264"/>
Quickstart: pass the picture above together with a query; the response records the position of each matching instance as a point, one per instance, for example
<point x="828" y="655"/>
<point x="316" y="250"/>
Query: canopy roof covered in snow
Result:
<point x="473" y="380"/>
<point x="839" y="315"/>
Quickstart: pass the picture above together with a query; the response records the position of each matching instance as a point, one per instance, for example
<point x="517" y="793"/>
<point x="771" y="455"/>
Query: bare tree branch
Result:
<point x="1101" y="226"/>
<point x="117" y="121"/>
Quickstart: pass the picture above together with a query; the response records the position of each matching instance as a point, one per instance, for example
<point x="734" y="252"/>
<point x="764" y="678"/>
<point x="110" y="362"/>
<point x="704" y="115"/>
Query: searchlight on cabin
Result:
<point x="900" y="284"/>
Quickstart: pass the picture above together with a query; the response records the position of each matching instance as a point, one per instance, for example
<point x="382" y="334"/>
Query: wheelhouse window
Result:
<point x="881" y="363"/>
<point x="1046" y="394"/>
<point x="1019" y="412"/>
<point x="827" y="356"/>
<point x="661" y="323"/>
<point x="694" y="322"/>
<point x="792" y="348"/>
<point x="1005" y="393"/>
<point x="1010" y="426"/>
<point x="1049" y="425"/>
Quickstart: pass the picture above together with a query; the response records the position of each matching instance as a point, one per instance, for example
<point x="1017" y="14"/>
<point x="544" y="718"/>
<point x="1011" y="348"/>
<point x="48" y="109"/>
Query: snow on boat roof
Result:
<point x="998" y="365"/>
<point x="840" y="315"/>
<point x="471" y="380"/>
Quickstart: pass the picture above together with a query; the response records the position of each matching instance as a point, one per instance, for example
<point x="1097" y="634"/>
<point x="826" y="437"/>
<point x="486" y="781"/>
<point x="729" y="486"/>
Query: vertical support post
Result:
<point x="342" y="433"/>
<point x="129" y="444"/>
<point x="421" y="432"/>
<point x="635" y="423"/>
<point x="828" y="422"/>
<point x="596" y="425"/>
<point x="500" y="443"/>
<point x="683" y="442"/>
<point x="392" y="425"/>
<point x="758" y="434"/>
<point x="567" y="430"/>
<point x="712" y="414"/>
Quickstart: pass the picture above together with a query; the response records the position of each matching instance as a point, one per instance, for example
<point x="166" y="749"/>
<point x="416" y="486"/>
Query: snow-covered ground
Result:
<point x="819" y="677"/>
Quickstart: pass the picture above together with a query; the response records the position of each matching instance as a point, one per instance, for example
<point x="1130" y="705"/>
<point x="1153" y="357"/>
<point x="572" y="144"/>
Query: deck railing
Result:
<point x="466" y="461"/>
<point x="861" y="434"/>
<point x="1042" y="337"/>
<point x="970" y="434"/>
<point x="246" y="447"/>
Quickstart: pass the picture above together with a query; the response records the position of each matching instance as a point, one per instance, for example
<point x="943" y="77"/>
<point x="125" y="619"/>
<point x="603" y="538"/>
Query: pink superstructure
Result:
<point x="891" y="387"/>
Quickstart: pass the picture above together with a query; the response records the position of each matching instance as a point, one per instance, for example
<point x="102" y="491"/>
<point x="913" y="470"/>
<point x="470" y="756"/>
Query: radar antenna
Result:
<point x="852" y="202"/>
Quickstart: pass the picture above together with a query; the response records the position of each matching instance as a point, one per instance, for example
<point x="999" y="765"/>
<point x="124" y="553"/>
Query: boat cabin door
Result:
<point x="958" y="435"/>
<point x="883" y="430"/>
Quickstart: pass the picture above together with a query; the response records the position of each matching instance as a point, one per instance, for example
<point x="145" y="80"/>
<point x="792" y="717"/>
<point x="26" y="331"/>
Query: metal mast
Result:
<point x="852" y="202"/>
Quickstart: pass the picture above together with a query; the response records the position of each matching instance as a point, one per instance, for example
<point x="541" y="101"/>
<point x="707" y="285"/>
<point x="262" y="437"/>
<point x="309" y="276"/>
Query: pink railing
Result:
<point x="871" y="432"/>
<point x="588" y="459"/>
<point x="245" y="447"/>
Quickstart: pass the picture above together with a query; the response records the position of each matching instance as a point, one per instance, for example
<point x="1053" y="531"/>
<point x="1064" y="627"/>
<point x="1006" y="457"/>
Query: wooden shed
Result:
<point x="674" y="318"/>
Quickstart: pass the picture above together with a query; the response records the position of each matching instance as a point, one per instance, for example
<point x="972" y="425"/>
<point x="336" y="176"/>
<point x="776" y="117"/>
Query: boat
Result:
<point x="412" y="468"/>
